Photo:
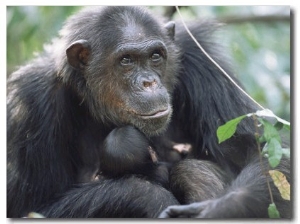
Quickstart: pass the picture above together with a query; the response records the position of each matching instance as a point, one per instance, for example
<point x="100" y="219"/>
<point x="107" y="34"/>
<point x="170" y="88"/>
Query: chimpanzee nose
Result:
<point x="149" y="83"/>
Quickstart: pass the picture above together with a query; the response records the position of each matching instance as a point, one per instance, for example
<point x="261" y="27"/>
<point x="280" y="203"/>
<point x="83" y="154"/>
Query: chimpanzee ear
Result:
<point x="170" y="27"/>
<point x="78" y="53"/>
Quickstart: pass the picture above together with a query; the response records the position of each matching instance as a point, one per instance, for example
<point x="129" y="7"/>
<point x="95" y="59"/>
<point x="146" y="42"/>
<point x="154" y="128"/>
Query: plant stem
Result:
<point x="260" y="156"/>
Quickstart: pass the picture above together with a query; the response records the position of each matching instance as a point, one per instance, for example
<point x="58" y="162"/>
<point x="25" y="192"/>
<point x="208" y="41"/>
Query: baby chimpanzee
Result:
<point x="140" y="157"/>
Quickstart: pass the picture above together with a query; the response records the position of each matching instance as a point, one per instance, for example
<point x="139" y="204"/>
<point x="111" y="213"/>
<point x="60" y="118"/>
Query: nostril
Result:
<point x="148" y="84"/>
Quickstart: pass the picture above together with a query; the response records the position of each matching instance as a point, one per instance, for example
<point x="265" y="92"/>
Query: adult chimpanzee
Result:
<point x="116" y="73"/>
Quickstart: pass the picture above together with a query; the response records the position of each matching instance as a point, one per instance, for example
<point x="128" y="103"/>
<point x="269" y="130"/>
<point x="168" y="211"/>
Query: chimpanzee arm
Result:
<point x="248" y="196"/>
<point x="118" y="192"/>
<point x="112" y="198"/>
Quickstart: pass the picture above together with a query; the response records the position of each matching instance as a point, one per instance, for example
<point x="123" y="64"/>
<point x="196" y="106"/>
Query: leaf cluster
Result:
<point x="272" y="148"/>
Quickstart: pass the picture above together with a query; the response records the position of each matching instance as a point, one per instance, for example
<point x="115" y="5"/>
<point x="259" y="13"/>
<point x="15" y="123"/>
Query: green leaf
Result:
<point x="274" y="151"/>
<point x="261" y="139"/>
<point x="273" y="212"/>
<point x="286" y="152"/>
<point x="269" y="130"/>
<point x="227" y="130"/>
<point x="269" y="113"/>
<point x="287" y="127"/>
<point x="278" y="126"/>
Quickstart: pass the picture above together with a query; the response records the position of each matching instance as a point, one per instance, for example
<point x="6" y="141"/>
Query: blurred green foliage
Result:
<point x="260" y="50"/>
<point x="29" y="28"/>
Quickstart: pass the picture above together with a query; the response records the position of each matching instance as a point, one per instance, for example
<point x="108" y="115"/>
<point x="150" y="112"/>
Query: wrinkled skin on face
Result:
<point x="128" y="73"/>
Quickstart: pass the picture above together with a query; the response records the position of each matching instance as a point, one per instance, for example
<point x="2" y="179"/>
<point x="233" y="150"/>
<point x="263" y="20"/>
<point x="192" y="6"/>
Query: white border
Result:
<point x="295" y="122"/>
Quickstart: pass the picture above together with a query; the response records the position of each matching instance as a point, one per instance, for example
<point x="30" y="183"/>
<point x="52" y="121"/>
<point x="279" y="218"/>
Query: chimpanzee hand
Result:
<point x="125" y="150"/>
<point x="215" y="208"/>
<point x="194" y="210"/>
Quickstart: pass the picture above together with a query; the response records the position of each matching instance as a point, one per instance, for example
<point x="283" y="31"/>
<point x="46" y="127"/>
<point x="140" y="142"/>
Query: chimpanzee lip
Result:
<point x="156" y="114"/>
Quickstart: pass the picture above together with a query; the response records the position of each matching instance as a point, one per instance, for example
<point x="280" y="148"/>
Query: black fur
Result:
<point x="61" y="109"/>
<point x="126" y="151"/>
<point x="210" y="99"/>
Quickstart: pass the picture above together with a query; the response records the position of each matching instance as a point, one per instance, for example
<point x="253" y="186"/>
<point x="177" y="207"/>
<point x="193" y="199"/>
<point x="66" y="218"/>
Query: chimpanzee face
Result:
<point x="133" y="79"/>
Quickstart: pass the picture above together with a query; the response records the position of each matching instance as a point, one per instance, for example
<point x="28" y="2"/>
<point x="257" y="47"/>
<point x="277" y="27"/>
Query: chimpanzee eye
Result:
<point x="156" y="57"/>
<point x="126" y="60"/>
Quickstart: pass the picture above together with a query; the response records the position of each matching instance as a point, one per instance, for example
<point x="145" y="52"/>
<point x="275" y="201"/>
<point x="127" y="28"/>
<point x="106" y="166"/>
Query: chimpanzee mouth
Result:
<point x="156" y="114"/>
<point x="154" y="122"/>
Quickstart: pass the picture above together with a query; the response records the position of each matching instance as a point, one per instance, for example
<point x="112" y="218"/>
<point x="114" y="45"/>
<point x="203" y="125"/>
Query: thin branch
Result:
<point x="214" y="62"/>
<point x="254" y="19"/>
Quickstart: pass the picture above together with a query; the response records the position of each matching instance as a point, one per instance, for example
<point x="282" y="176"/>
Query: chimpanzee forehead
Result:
<point x="132" y="30"/>
<point x="137" y="32"/>
<point x="133" y="22"/>
<point x="108" y="27"/>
